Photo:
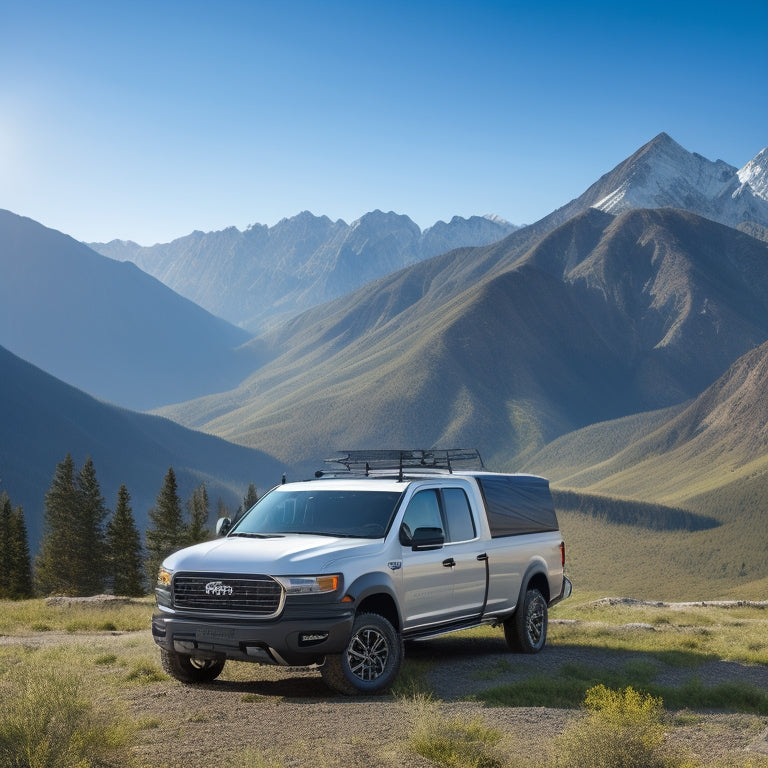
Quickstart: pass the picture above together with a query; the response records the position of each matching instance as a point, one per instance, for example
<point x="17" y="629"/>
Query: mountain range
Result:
<point x="608" y="345"/>
<point x="508" y="347"/>
<point x="266" y="274"/>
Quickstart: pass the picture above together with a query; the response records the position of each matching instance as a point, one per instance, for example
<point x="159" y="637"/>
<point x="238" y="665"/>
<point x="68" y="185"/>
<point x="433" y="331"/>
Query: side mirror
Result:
<point x="223" y="524"/>
<point x="427" y="538"/>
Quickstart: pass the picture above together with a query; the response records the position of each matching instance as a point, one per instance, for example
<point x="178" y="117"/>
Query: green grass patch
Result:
<point x="19" y="617"/>
<point x="251" y="698"/>
<point x="681" y="636"/>
<point x="145" y="672"/>
<point x="569" y="686"/>
<point x="729" y="697"/>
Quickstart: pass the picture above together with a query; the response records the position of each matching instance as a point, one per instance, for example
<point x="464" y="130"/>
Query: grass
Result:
<point x="686" y="636"/>
<point x="617" y="728"/>
<point x="644" y="643"/>
<point x="49" y="720"/>
<point x="570" y="684"/>
<point x="452" y="742"/>
<point x="89" y="677"/>
<point x="412" y="681"/>
<point x="23" y="616"/>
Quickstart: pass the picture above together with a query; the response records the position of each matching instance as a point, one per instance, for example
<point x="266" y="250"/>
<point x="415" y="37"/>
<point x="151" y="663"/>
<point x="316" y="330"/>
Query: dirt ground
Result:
<point x="287" y="716"/>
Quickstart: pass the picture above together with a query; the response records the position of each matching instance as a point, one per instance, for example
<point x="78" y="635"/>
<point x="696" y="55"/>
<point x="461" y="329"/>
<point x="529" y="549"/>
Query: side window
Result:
<point x="458" y="515"/>
<point x="423" y="512"/>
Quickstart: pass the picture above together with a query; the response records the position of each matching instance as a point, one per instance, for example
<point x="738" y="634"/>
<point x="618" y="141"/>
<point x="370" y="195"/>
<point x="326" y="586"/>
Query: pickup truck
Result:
<point x="338" y="571"/>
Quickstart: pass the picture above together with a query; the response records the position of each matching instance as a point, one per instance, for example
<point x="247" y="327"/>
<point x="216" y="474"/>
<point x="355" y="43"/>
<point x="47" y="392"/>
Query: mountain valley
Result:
<point x="618" y="346"/>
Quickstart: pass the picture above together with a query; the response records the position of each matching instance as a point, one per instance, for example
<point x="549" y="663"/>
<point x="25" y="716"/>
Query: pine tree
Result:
<point x="251" y="497"/>
<point x="92" y="541"/>
<point x="55" y="571"/>
<point x="72" y="551"/>
<point x="124" y="549"/>
<point x="6" y="546"/>
<point x="15" y="562"/>
<point x="199" y="510"/>
<point x="166" y="532"/>
<point x="21" y="581"/>
<point x="222" y="510"/>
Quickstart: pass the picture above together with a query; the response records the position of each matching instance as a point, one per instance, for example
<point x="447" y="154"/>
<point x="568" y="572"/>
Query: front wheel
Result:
<point x="371" y="660"/>
<point x="188" y="669"/>
<point x="526" y="630"/>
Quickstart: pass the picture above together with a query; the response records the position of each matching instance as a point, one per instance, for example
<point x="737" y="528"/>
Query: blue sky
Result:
<point x="147" y="120"/>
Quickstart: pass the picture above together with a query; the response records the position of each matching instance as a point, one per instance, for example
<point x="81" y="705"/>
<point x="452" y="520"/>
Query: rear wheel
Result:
<point x="526" y="630"/>
<point x="371" y="660"/>
<point x="188" y="669"/>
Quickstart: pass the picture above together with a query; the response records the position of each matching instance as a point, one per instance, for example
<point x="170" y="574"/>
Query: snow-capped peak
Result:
<point x="663" y="174"/>
<point x="496" y="219"/>
<point x="755" y="174"/>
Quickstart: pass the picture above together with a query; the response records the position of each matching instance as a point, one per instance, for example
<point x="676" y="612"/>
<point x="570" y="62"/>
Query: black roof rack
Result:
<point x="433" y="459"/>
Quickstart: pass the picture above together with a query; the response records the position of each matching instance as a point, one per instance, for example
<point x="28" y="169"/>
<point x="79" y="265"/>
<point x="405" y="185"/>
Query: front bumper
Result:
<point x="301" y="635"/>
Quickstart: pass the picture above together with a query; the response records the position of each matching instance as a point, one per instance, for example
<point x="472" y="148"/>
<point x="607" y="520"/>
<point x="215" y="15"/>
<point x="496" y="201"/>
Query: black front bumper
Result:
<point x="300" y="636"/>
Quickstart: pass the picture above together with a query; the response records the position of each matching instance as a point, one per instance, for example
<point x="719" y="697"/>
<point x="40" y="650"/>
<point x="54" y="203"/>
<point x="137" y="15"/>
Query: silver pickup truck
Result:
<point x="340" y="570"/>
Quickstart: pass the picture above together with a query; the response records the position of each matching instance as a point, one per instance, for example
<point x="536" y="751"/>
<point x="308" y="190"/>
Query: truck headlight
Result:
<point x="309" y="585"/>
<point x="164" y="577"/>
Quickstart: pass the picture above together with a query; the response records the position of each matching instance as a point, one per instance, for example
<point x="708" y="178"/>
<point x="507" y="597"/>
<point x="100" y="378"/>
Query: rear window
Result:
<point x="518" y="504"/>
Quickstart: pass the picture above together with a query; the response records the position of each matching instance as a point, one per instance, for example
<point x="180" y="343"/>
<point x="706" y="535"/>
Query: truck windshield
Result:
<point x="359" y="514"/>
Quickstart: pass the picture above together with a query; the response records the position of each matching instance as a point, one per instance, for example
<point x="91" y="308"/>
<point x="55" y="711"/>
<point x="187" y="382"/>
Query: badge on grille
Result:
<point x="218" y="588"/>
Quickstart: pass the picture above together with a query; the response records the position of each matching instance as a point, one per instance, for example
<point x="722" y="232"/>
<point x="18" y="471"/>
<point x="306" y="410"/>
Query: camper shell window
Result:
<point x="518" y="504"/>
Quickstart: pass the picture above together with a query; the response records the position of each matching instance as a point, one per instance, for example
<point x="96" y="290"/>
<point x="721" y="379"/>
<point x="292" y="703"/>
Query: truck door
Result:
<point x="427" y="582"/>
<point x="467" y="554"/>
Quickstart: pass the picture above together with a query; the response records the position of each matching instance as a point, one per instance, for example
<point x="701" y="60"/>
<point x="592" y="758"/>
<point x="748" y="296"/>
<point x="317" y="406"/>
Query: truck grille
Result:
<point x="258" y="595"/>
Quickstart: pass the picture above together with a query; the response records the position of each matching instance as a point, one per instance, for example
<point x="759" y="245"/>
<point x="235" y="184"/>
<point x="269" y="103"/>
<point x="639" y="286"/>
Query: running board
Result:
<point x="428" y="632"/>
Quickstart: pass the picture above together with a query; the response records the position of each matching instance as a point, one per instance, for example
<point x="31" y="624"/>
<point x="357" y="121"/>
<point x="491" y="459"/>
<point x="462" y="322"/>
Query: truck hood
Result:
<point x="285" y="555"/>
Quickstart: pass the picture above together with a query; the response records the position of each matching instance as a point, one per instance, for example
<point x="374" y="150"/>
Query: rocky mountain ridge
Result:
<point x="265" y="274"/>
<point x="507" y="348"/>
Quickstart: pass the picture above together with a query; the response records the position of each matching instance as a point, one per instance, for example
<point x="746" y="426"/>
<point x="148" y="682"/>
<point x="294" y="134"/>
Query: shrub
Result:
<point x="46" y="723"/>
<point x="453" y="742"/>
<point x="620" y="729"/>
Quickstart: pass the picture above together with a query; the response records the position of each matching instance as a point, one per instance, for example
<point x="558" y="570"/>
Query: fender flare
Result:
<point x="534" y="569"/>
<point x="373" y="584"/>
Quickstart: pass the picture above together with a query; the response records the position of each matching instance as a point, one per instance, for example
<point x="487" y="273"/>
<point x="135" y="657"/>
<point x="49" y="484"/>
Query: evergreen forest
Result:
<point x="87" y="549"/>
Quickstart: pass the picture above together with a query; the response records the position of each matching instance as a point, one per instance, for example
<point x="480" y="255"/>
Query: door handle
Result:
<point x="482" y="557"/>
<point x="449" y="562"/>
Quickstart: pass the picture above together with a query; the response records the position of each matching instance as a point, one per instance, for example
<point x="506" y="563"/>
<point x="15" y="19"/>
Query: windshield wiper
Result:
<point x="250" y="535"/>
<point x="331" y="534"/>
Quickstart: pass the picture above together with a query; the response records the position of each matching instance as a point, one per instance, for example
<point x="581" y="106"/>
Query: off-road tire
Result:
<point x="370" y="662"/>
<point x="526" y="630"/>
<point x="188" y="669"/>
